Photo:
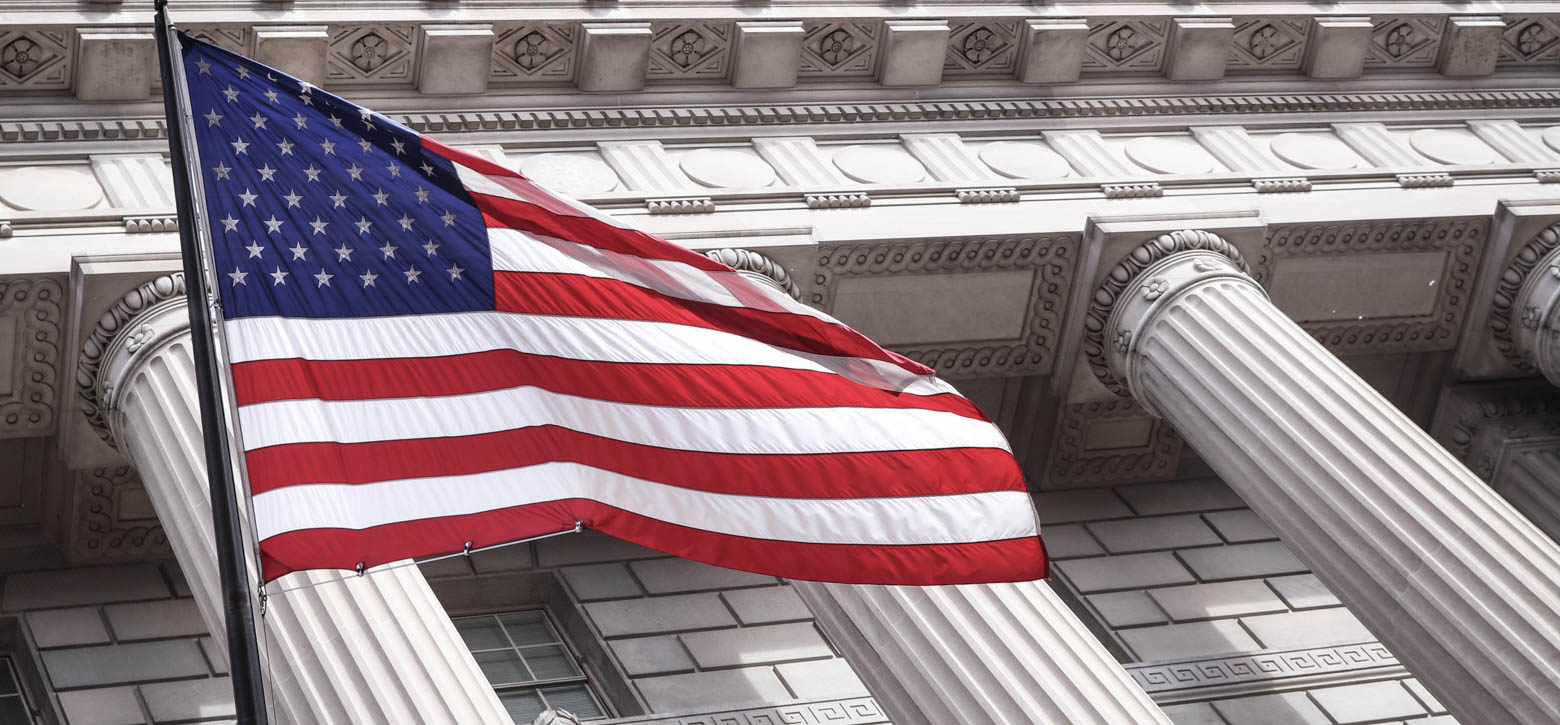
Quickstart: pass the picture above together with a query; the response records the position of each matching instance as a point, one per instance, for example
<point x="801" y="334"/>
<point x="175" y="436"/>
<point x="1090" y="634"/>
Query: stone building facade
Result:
<point x="1265" y="295"/>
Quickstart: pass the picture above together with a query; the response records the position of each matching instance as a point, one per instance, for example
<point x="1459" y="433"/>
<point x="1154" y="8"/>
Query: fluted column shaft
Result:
<point x="1461" y="587"/>
<point x="371" y="649"/>
<point x="1005" y="654"/>
<point x="1530" y="481"/>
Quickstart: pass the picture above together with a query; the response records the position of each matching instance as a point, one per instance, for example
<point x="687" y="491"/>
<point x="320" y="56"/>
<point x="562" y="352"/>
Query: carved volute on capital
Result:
<point x="139" y="322"/>
<point x="1525" y="314"/>
<point x="1144" y="282"/>
<point x="758" y="268"/>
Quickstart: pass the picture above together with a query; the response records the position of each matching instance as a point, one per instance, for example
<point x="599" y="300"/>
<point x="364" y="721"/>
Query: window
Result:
<point x="13" y="706"/>
<point x="528" y="665"/>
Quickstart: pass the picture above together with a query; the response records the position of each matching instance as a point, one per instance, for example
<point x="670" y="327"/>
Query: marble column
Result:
<point x="371" y="649"/>
<point x="1525" y="313"/>
<point x="1461" y="587"/>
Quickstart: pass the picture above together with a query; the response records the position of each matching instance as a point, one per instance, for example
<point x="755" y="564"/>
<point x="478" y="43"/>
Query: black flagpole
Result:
<point x="243" y="653"/>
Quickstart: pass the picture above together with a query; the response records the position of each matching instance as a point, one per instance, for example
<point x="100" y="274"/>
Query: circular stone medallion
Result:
<point x="1019" y="160"/>
<point x="572" y="174"/>
<point x="1450" y="148"/>
<point x="1313" y="151"/>
<point x="1169" y="156"/>
<point x="727" y="169"/>
<point x="49" y="188"/>
<point x="879" y="165"/>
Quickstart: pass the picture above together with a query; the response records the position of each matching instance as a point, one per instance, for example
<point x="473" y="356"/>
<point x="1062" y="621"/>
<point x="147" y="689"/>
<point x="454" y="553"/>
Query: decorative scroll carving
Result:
<point x="117" y="318"/>
<point x="1263" y="667"/>
<point x="1073" y="463"/>
<point x="32" y="309"/>
<point x="104" y="529"/>
<point x="1461" y="239"/>
<point x="753" y="263"/>
<point x="849" y="711"/>
<point x="1502" y="308"/>
<point x="1034" y="353"/>
<point x="1122" y="280"/>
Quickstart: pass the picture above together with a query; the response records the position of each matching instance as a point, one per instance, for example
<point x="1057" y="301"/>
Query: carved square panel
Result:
<point x="1268" y="44"/>
<point x="982" y="46"/>
<point x="1110" y="441"/>
<point x="378" y="54"/>
<point x="1531" y="41"/>
<point x="1015" y="286"/>
<point x="535" y="52"/>
<point x="35" y="59"/>
<point x="1404" y="42"/>
<point x="113" y="519"/>
<point x="29" y="355"/>
<point x="690" y="51"/>
<point x="839" y="49"/>
<point x="1126" y="45"/>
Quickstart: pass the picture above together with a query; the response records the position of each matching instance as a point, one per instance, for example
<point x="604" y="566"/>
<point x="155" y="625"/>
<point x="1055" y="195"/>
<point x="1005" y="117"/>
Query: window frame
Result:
<point x="551" y="621"/>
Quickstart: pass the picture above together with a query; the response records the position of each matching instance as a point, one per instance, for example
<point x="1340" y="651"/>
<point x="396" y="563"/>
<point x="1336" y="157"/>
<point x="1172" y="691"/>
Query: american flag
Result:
<point x="430" y="351"/>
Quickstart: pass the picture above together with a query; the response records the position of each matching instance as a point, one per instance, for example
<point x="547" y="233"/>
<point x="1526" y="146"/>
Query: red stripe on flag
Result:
<point x="666" y="384"/>
<point x="879" y="474"/>
<point x="468" y="159"/>
<point x="589" y="231"/>
<point x="1021" y="559"/>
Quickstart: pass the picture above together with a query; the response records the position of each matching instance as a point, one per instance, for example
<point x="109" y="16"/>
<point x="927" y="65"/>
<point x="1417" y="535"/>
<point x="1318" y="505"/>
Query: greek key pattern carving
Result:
<point x="853" y="711"/>
<point x="1262" y="667"/>
<point x="1502" y="314"/>
<point x="1034" y="353"/>
<point x="30" y="309"/>
<point x="104" y="530"/>
<point x="537" y="52"/>
<point x="375" y="54"/>
<point x="1072" y="463"/>
<point x="1461" y="239"/>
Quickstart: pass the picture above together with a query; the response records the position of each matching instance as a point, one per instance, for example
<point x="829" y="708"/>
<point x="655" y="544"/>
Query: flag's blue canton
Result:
<point x="320" y="208"/>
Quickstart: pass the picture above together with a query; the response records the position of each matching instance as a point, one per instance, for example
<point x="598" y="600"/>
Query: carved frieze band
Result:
<point x="847" y="711"/>
<point x="1052" y="258"/>
<point x="1462" y="240"/>
<point x="1152" y="456"/>
<point x="1264" y="667"/>
<point x="30" y="336"/>
<point x="113" y="519"/>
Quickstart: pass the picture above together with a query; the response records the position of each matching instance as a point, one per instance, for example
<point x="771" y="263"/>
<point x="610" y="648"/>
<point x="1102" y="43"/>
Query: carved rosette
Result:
<point x="1149" y="278"/>
<point x="758" y="268"/>
<point x="143" y="319"/>
<point x="28" y="409"/>
<point x="1525" y="313"/>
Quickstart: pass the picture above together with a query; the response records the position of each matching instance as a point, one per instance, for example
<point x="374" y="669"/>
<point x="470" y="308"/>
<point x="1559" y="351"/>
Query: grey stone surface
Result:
<point x="821" y="679"/>
<point x="756" y="645"/>
<point x="1196" y="713"/>
<point x="1060" y="507"/>
<point x="1173" y="497"/>
<point x="659" y="614"/>
<point x="1199" y="49"/>
<point x="587" y="547"/>
<point x="1127" y="609"/>
<point x="155" y="620"/>
<point x="1311" y="628"/>
<point x="456" y="58"/>
<point x="1242" y="561"/>
<point x="652" y="655"/>
<point x="1220" y="599"/>
<point x="1289" y="708"/>
<point x="510" y="558"/>
<point x="705" y="690"/>
<point x="1153" y="532"/>
<point x="1129" y="571"/>
<point x="766" y="54"/>
<point x="1070" y="541"/>
<point x="1424" y="696"/>
<point x="214" y="657"/>
<point x="601" y="581"/>
<point x="913" y="52"/>
<point x="1054" y="50"/>
<point x="118" y="664"/>
<point x="1338" y="47"/>
<point x="1238" y="527"/>
<point x="614" y="56"/>
<point x="1368" y="702"/>
<point x="1303" y="591"/>
<point x="1182" y="641"/>
<point x="666" y="576"/>
<point x="106" y="706"/>
<point x="207" y="699"/>
<point x="66" y="627"/>
<point x="767" y="605"/>
<point x="88" y="585"/>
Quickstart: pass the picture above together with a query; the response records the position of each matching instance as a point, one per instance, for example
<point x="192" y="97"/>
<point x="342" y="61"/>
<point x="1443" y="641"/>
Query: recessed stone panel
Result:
<point x="1169" y="155"/>
<point x="936" y="308"/>
<point x="727" y="169"/>
<point x="1021" y="160"/>
<point x="879" y="164"/>
<point x="50" y="188"/>
<point x="1451" y="147"/>
<point x="1324" y="289"/>
<point x="571" y="174"/>
<point x="1313" y="151"/>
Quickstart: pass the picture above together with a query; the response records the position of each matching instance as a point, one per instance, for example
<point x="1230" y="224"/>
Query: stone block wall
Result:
<point x="116" y="645"/>
<point x="1214" y="616"/>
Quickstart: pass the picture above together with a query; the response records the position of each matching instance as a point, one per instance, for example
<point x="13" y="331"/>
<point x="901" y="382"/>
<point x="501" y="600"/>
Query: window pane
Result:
<point x="481" y="633"/>
<point x="528" y="628"/>
<point x="7" y="678"/>
<point x="503" y="668"/>
<point x="550" y="662"/>
<point x="576" y="699"/>
<point x="523" y="705"/>
<point x="13" y="712"/>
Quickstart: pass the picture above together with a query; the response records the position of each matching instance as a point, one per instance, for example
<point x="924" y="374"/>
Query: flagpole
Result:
<point x="238" y="608"/>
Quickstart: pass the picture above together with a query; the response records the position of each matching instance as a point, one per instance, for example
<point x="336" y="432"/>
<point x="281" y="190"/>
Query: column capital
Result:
<point x="1142" y="283"/>
<point x="1525" y="313"/>
<point x="142" y="319"/>
<point x="758" y="268"/>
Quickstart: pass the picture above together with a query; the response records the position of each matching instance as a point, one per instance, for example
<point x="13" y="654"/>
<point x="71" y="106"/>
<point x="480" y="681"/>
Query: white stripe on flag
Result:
<point x="958" y="518"/>
<point x="713" y="430"/>
<point x="577" y="338"/>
